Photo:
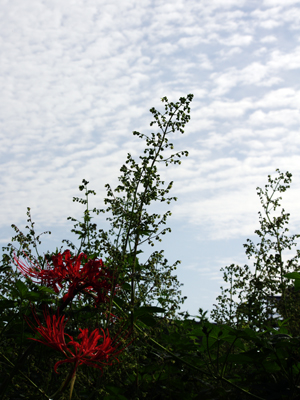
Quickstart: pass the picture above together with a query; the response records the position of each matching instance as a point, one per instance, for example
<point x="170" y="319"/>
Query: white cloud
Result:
<point x="260" y="51"/>
<point x="280" y="98"/>
<point x="77" y="77"/>
<point x="285" y="117"/>
<point x="270" y="24"/>
<point x="243" y="134"/>
<point x="282" y="3"/>
<point x="256" y="73"/>
<point x="268" y="39"/>
<point x="287" y="61"/>
<point x="225" y="54"/>
<point x="237" y="40"/>
<point x="224" y="109"/>
<point x="277" y="15"/>
<point x="267" y="13"/>
<point x="222" y="216"/>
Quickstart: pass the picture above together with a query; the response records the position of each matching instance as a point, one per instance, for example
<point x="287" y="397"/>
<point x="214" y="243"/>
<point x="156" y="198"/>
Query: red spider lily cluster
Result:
<point x="88" y="351"/>
<point x="91" y="276"/>
<point x="80" y="275"/>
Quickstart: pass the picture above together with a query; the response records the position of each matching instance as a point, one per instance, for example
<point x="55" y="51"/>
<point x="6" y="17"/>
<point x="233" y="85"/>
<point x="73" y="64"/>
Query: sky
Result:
<point x="78" y="76"/>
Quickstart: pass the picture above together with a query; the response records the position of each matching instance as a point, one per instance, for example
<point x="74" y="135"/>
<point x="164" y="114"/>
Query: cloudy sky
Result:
<point x="78" y="76"/>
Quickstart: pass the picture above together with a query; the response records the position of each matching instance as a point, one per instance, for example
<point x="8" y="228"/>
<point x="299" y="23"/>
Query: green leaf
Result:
<point x="293" y="275"/>
<point x="297" y="284"/>
<point x="44" y="289"/>
<point x="22" y="288"/>
<point x="5" y="304"/>
<point x="144" y="314"/>
<point x="14" y="293"/>
<point x="243" y="358"/>
<point x="33" y="296"/>
<point x="149" y="309"/>
<point x="116" y="392"/>
<point x="147" y="319"/>
<point x="126" y="287"/>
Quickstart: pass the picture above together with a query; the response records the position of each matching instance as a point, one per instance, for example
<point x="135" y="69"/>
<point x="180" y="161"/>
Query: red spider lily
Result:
<point x="92" y="276"/>
<point x="53" y="334"/>
<point x="88" y="351"/>
<point x="48" y="276"/>
<point x="30" y="269"/>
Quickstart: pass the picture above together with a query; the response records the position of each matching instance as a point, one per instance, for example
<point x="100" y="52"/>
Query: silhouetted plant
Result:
<point x="139" y="284"/>
<point x="261" y="295"/>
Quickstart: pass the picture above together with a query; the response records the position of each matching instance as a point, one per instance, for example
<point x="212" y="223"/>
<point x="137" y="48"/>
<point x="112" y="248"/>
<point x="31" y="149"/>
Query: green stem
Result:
<point x="22" y="358"/>
<point x="26" y="377"/>
<point x="69" y="379"/>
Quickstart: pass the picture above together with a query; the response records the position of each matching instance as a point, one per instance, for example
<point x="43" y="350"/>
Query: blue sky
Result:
<point x="78" y="76"/>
